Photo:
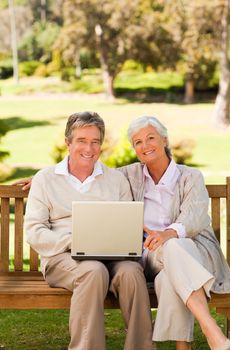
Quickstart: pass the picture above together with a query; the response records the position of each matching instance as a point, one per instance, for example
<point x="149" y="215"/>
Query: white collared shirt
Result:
<point x="158" y="199"/>
<point x="82" y="187"/>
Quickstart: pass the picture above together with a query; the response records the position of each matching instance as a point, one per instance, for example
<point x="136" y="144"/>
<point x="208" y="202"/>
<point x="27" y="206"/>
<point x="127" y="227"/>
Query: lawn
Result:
<point x="91" y="82"/>
<point x="37" y="123"/>
<point x="48" y="330"/>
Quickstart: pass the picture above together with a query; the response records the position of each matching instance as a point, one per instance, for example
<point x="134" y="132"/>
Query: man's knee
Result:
<point x="129" y="270"/>
<point x="93" y="271"/>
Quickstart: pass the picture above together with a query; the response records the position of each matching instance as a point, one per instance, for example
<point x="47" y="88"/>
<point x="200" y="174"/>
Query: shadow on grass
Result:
<point x="172" y="95"/>
<point x="13" y="123"/>
<point x="197" y="165"/>
<point x="22" y="172"/>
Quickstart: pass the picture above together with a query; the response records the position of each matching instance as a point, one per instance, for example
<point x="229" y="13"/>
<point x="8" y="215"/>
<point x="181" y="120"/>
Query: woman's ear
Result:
<point x="166" y="141"/>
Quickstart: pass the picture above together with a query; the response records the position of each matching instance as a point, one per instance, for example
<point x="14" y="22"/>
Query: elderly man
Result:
<point x="80" y="176"/>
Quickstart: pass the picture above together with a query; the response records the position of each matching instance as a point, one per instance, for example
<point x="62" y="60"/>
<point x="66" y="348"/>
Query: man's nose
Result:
<point x="88" y="146"/>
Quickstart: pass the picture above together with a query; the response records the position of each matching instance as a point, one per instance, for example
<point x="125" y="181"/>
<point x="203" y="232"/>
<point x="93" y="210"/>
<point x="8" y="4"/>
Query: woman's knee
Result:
<point x="174" y="245"/>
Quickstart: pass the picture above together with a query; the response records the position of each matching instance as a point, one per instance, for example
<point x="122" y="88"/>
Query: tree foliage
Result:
<point x="24" y="19"/>
<point x="118" y="31"/>
<point x="195" y="28"/>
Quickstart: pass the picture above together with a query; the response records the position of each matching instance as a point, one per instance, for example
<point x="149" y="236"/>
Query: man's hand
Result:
<point x="26" y="183"/>
<point x="157" y="238"/>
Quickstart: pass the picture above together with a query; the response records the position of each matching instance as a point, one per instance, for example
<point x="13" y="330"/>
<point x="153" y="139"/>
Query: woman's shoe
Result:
<point x="225" y="346"/>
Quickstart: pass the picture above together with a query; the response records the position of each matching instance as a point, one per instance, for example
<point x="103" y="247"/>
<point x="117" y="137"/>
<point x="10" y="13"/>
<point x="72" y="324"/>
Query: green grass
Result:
<point x="48" y="330"/>
<point x="33" y="85"/>
<point x="37" y="123"/>
<point x="91" y="82"/>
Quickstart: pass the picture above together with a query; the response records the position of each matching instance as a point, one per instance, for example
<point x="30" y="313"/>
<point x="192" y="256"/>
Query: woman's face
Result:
<point x="149" y="145"/>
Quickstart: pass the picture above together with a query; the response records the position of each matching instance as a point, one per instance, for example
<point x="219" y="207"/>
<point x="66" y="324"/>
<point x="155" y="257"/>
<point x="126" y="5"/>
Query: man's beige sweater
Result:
<point x="48" y="222"/>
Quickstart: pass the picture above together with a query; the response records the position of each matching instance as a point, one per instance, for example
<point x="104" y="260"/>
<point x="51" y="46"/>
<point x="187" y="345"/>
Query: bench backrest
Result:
<point x="12" y="211"/>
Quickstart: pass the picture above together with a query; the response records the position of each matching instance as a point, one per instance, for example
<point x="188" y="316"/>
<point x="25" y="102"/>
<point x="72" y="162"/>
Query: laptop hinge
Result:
<point x="80" y="253"/>
<point x="132" y="254"/>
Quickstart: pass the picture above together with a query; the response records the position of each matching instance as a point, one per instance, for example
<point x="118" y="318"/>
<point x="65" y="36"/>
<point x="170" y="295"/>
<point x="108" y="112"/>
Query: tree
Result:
<point x="222" y="105"/>
<point x="23" y="18"/>
<point x="13" y="40"/>
<point x="194" y="26"/>
<point x="117" y="30"/>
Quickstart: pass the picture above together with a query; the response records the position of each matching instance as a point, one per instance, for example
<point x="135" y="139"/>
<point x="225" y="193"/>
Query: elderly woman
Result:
<point x="181" y="251"/>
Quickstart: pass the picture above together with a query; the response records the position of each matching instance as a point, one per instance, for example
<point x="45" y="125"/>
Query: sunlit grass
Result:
<point x="37" y="123"/>
<point x="48" y="330"/>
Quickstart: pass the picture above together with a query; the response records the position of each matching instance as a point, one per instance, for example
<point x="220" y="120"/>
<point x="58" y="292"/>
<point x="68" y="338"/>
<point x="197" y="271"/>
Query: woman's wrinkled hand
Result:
<point x="157" y="238"/>
<point x="25" y="183"/>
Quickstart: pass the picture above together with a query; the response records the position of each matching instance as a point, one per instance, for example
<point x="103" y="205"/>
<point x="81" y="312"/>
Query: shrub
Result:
<point x="6" y="70"/>
<point x="59" y="151"/>
<point x="55" y="65"/>
<point x="68" y="74"/>
<point x="120" y="155"/>
<point x="88" y="84"/>
<point x="133" y="66"/>
<point x="28" y="68"/>
<point x="182" y="150"/>
<point x="5" y="172"/>
<point x="41" y="71"/>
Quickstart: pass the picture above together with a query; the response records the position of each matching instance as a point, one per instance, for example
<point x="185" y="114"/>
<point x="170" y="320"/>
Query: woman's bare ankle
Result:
<point x="183" y="345"/>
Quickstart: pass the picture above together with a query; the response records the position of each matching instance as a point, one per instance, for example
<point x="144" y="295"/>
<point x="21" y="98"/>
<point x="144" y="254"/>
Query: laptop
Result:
<point x="110" y="230"/>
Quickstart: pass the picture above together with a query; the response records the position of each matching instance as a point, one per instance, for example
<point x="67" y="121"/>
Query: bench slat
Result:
<point x="228" y="220"/>
<point x="4" y="232"/>
<point x="18" y="238"/>
<point x="10" y="191"/>
<point x="34" y="261"/>
<point x="215" y="207"/>
<point x="217" y="191"/>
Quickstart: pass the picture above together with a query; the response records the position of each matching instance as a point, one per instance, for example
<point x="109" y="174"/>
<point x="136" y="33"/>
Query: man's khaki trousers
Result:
<point x="90" y="281"/>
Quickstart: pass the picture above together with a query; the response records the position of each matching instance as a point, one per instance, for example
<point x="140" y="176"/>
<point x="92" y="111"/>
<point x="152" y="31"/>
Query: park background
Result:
<point x="122" y="59"/>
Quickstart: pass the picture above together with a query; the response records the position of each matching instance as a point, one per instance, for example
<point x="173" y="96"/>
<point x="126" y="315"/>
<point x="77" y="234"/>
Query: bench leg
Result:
<point x="228" y="327"/>
<point x="226" y="313"/>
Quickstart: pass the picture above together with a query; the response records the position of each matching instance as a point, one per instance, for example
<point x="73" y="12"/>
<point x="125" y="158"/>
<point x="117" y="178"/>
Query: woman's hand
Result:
<point x="26" y="183"/>
<point x="157" y="238"/>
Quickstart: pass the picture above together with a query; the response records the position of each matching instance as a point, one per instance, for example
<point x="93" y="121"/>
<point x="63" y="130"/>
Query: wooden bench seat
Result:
<point x="21" y="289"/>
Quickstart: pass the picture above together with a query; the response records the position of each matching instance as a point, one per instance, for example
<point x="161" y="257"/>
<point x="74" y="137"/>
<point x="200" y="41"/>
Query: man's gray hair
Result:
<point x="81" y="119"/>
<point x="144" y="121"/>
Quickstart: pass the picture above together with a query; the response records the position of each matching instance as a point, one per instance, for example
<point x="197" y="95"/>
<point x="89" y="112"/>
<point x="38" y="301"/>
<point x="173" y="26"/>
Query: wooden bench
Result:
<point x="20" y="289"/>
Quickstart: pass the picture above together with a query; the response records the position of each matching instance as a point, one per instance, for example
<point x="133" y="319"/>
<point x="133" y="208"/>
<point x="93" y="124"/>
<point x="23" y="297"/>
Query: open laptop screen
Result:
<point x="107" y="229"/>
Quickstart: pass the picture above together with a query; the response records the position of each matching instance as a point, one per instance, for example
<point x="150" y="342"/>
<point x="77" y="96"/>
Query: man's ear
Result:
<point x="66" y="141"/>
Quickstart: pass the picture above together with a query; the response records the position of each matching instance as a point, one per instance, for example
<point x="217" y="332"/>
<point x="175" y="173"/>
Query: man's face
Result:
<point x="85" y="147"/>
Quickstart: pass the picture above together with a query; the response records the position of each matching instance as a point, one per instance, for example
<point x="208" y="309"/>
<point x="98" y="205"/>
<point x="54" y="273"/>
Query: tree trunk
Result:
<point x="189" y="89"/>
<point x="222" y="104"/>
<point x="43" y="11"/>
<point x="108" y="78"/>
<point x="13" y="40"/>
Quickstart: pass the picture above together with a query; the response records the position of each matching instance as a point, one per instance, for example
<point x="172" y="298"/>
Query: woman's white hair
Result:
<point x="144" y="121"/>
